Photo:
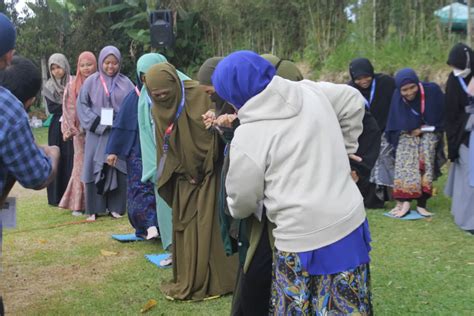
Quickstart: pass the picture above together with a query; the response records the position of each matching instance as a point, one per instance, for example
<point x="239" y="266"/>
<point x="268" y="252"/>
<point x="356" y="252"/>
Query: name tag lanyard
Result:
<point x="107" y="92"/>
<point x="166" y="138"/>
<point x="372" y="93"/>
<point x="422" y="92"/>
<point x="464" y="86"/>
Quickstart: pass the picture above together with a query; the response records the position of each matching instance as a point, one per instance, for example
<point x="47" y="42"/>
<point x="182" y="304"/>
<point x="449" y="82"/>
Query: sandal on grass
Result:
<point x="166" y="262"/>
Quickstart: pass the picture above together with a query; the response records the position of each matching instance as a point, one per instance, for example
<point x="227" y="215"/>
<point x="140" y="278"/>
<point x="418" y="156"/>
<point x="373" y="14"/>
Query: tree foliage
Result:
<point x="313" y="29"/>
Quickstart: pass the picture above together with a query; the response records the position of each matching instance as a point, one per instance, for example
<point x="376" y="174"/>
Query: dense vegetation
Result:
<point x="326" y="34"/>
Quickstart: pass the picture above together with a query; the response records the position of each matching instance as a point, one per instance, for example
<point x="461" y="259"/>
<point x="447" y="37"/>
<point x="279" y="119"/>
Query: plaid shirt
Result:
<point x="19" y="155"/>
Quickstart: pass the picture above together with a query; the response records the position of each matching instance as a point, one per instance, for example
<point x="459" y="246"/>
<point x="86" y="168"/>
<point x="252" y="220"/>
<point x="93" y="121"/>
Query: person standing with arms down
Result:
<point x="53" y="91"/>
<point x="74" y="196"/>
<point x="99" y="100"/>
<point x="459" y="131"/>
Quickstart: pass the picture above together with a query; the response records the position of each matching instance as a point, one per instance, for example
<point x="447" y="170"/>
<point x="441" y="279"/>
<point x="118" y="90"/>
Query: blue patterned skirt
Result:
<point x="296" y="292"/>
<point x="141" y="203"/>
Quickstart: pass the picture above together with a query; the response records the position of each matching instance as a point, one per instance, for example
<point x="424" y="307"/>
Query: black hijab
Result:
<point x="384" y="87"/>
<point x="456" y="100"/>
<point x="459" y="55"/>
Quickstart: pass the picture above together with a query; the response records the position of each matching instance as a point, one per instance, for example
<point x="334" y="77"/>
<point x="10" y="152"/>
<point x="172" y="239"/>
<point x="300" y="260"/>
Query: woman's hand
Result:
<point x="355" y="158"/>
<point x="354" y="176"/>
<point x="112" y="160"/>
<point x="208" y="119"/>
<point x="225" y="120"/>
<point x="416" y="132"/>
<point x="67" y="135"/>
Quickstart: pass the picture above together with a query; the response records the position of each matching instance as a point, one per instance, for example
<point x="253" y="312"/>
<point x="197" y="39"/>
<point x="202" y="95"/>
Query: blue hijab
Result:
<point x="7" y="35"/>
<point x="406" y="115"/>
<point x="241" y="76"/>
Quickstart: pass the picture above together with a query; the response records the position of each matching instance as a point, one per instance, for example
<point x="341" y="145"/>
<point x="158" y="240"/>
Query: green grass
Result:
<point x="41" y="135"/>
<point x="53" y="267"/>
<point x="426" y="55"/>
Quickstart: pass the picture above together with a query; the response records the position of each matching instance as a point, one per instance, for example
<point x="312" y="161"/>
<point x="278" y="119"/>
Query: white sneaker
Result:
<point x="91" y="218"/>
<point x="77" y="213"/>
<point x="115" y="215"/>
<point x="152" y="232"/>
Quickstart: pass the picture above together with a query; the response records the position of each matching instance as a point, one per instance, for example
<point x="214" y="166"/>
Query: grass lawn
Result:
<point x="53" y="265"/>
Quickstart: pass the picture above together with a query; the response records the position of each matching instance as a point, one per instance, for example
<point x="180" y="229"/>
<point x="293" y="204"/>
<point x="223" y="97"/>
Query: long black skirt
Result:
<point x="55" y="137"/>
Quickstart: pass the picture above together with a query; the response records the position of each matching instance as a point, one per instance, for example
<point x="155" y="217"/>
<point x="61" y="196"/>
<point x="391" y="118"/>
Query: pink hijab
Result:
<point x="79" y="80"/>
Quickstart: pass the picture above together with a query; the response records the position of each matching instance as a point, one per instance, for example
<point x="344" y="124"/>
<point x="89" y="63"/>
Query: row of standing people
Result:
<point x="412" y="117"/>
<point x="85" y="183"/>
<point x="417" y="105"/>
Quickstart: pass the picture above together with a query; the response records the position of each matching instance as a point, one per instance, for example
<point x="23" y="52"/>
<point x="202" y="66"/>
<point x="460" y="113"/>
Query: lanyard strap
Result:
<point x="463" y="85"/>
<point x="422" y="107"/>
<point x="107" y="92"/>
<point x="169" y="129"/>
<point x="137" y="91"/>
<point x="372" y="93"/>
<point x="166" y="138"/>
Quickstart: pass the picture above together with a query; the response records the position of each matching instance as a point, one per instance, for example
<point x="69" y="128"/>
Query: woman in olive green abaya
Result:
<point x="188" y="182"/>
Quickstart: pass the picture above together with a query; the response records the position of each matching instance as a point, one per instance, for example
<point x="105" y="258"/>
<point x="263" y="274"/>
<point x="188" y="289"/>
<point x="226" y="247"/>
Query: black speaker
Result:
<point x="161" y="29"/>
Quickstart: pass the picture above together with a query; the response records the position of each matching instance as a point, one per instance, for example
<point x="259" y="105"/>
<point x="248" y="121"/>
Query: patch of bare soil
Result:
<point x="20" y="192"/>
<point x="26" y="285"/>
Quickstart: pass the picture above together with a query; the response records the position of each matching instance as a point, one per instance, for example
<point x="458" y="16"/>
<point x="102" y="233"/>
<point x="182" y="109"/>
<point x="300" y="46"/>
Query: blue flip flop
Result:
<point x="127" y="237"/>
<point x="410" y="215"/>
<point x="157" y="258"/>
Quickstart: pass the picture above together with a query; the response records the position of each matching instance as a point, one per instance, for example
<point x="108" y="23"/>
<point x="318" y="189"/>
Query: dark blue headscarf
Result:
<point x="7" y="35"/>
<point x="406" y="115"/>
<point x="241" y="76"/>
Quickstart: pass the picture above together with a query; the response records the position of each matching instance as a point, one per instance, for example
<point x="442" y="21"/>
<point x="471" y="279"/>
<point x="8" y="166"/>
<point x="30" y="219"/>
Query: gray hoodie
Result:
<point x="290" y="156"/>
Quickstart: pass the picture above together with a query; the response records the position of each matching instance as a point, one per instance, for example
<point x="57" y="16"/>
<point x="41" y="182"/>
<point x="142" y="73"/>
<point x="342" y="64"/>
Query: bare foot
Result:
<point x="402" y="211"/>
<point x="91" y="218"/>
<point x="423" y="212"/>
<point x="397" y="207"/>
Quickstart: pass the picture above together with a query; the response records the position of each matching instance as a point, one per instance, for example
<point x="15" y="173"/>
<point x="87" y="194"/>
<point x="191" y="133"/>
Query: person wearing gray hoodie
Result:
<point x="288" y="159"/>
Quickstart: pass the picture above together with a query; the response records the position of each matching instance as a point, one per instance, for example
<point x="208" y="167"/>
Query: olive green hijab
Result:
<point x="190" y="142"/>
<point x="285" y="68"/>
<point x="207" y="69"/>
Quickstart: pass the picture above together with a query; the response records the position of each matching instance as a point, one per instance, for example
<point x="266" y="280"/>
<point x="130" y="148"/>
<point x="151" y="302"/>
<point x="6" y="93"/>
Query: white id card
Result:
<point x="107" y="117"/>
<point x="427" y="128"/>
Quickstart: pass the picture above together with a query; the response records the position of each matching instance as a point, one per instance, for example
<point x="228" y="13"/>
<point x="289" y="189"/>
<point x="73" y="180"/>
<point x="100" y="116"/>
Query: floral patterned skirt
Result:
<point x="141" y="203"/>
<point x="414" y="166"/>
<point x="296" y="292"/>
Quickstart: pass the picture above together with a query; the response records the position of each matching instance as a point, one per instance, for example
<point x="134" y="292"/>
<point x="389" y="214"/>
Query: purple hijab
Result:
<point x="118" y="86"/>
